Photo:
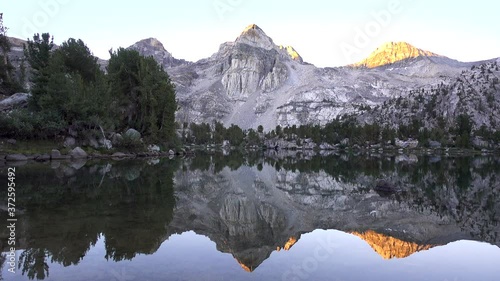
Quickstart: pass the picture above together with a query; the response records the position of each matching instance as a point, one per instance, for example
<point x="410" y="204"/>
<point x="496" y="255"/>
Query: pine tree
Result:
<point x="9" y="84"/>
<point x="38" y="54"/>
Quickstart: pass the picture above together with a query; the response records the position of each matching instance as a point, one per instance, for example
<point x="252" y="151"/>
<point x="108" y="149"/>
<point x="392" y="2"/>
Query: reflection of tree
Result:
<point x="65" y="217"/>
<point x="33" y="262"/>
<point x="2" y="263"/>
<point x="67" y="210"/>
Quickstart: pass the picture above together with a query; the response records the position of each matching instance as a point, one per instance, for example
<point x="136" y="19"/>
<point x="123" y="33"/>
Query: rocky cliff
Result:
<point x="252" y="81"/>
<point x="475" y="92"/>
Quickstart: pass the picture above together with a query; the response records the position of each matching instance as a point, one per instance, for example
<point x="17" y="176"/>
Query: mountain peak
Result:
<point x="151" y="41"/>
<point x="392" y="52"/>
<point x="294" y="55"/>
<point x="153" y="47"/>
<point x="251" y="27"/>
<point x="254" y="36"/>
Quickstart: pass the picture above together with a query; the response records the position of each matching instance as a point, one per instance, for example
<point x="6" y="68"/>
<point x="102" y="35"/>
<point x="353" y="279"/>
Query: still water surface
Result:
<point x="258" y="218"/>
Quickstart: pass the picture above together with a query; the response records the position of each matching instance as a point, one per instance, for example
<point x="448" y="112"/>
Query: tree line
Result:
<point x="344" y="131"/>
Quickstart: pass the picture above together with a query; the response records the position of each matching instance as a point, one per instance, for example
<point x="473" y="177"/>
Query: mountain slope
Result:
<point x="475" y="92"/>
<point x="393" y="52"/>
<point x="252" y="81"/>
<point x="153" y="47"/>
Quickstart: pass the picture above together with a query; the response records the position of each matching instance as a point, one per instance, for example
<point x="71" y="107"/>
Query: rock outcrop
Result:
<point x="153" y="47"/>
<point x="475" y="92"/>
<point x="16" y="101"/>
<point x="252" y="81"/>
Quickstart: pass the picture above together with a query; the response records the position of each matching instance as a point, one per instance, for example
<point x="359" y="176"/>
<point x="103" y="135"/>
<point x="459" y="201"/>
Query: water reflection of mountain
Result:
<point x="251" y="211"/>
<point x="434" y="206"/>
<point x="66" y="208"/>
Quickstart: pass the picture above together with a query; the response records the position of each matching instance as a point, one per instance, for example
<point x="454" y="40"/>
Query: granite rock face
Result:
<point x="474" y="92"/>
<point x="393" y="52"/>
<point x="153" y="47"/>
<point x="253" y="81"/>
<point x="17" y="100"/>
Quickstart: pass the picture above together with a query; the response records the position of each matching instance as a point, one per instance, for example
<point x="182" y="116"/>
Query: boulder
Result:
<point x="434" y="144"/>
<point x="107" y="144"/>
<point x="326" y="146"/>
<point x="133" y="135"/>
<point x="16" y="157"/>
<point x="69" y="142"/>
<point x="153" y="148"/>
<point x="93" y="142"/>
<point x="407" y="144"/>
<point x="42" y="158"/>
<point x="17" y="100"/>
<point x="78" y="164"/>
<point x="345" y="142"/>
<point x="171" y="152"/>
<point x="56" y="155"/>
<point x="78" y="153"/>
<point x="116" y="139"/>
<point x="11" y="141"/>
<point x="119" y="155"/>
<point x="412" y="158"/>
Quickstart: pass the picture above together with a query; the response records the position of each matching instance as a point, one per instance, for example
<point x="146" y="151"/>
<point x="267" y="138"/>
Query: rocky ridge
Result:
<point x="475" y="92"/>
<point x="252" y="81"/>
<point x="393" y="52"/>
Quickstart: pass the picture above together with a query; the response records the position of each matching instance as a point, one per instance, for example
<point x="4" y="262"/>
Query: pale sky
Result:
<point x="324" y="32"/>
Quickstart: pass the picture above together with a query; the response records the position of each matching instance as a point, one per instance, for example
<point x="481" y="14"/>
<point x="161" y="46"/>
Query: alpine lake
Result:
<point x="264" y="216"/>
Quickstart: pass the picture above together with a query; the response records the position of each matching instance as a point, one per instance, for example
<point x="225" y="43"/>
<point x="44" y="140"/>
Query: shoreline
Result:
<point x="21" y="159"/>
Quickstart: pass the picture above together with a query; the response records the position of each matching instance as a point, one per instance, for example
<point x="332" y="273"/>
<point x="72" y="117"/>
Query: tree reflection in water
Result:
<point x="251" y="205"/>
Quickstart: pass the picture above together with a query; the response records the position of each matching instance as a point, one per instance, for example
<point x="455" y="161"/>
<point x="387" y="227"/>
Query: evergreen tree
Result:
<point x="463" y="131"/>
<point x="144" y="93"/>
<point x="235" y="135"/>
<point x="219" y="132"/>
<point x="9" y="84"/>
<point x="38" y="54"/>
